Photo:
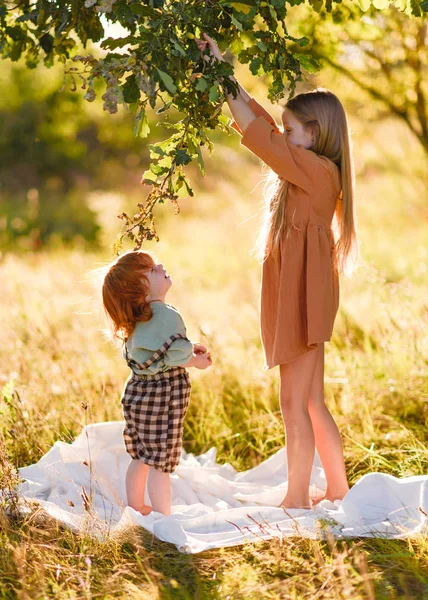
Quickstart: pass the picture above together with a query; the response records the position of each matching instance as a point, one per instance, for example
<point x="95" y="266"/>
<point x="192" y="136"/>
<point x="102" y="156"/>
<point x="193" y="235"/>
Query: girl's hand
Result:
<point x="214" y="49"/>
<point x="204" y="361"/>
<point x="199" y="348"/>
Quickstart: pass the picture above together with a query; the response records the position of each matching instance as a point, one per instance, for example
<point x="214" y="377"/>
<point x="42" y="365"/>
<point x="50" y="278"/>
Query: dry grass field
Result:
<point x="55" y="360"/>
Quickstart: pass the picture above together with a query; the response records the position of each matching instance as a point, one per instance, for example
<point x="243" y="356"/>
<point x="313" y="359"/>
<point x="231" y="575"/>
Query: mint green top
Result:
<point x="149" y="336"/>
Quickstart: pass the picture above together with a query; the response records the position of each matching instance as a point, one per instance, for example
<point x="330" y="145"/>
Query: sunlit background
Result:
<point x="67" y="170"/>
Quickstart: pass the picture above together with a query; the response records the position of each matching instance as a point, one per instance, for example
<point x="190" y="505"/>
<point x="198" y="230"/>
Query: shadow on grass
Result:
<point x="179" y="576"/>
<point x="402" y="567"/>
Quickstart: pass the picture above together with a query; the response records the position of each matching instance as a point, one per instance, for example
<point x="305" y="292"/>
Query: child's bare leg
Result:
<point x="159" y="491"/>
<point x="136" y="477"/>
<point x="327" y="437"/>
<point x="296" y="380"/>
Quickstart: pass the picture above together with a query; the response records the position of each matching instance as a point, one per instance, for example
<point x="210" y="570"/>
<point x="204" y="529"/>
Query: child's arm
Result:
<point x="239" y="106"/>
<point x="245" y="95"/>
<point x="200" y="361"/>
<point x="241" y="110"/>
<point x="256" y="108"/>
<point x="261" y="135"/>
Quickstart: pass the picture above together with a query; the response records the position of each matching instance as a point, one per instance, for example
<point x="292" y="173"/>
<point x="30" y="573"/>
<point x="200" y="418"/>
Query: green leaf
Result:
<point x="182" y="158"/>
<point x="164" y="108"/>
<point x="200" y="160"/>
<point x="113" y="43"/>
<point x="158" y="170"/>
<point x="309" y="63"/>
<point x="237" y="23"/>
<point x="179" y="48"/>
<point x="255" y="65"/>
<point x="424" y="5"/>
<point x="202" y="84"/>
<point x="182" y="187"/>
<point x="303" y="41"/>
<point x="272" y="13"/>
<point x="16" y="33"/>
<point x="166" y="162"/>
<point x="155" y="150"/>
<point x="47" y="43"/>
<point x="167" y="145"/>
<point x="131" y="91"/>
<point x="236" y="46"/>
<point x="143" y="10"/>
<point x="317" y="5"/>
<point x="167" y="81"/>
<point x="149" y="177"/>
<point x="141" y="127"/>
<point x="241" y="7"/>
<point x="145" y="129"/>
<point x="214" y="94"/>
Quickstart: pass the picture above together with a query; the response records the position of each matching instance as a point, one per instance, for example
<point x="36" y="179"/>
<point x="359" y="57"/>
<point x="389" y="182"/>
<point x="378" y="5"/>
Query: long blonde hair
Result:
<point x="322" y="111"/>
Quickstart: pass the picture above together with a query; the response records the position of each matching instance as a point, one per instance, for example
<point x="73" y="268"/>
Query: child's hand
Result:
<point x="199" y="348"/>
<point x="203" y="361"/>
<point x="214" y="49"/>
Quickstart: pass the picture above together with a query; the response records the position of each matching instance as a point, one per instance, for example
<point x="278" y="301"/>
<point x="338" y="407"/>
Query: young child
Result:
<point x="313" y="181"/>
<point x="156" y="394"/>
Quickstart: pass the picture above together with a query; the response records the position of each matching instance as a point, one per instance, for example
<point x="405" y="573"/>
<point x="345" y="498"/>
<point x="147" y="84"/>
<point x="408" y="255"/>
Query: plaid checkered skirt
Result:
<point x="154" y="407"/>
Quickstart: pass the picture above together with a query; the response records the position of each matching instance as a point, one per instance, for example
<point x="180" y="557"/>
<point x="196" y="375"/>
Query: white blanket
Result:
<point x="213" y="505"/>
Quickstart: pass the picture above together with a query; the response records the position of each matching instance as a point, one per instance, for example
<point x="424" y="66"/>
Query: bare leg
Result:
<point x="327" y="437"/>
<point x="136" y="477"/>
<point x="296" y="380"/>
<point x="159" y="491"/>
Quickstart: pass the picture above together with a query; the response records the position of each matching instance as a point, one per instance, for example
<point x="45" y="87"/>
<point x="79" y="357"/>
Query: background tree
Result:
<point x="159" y="65"/>
<point x="56" y="150"/>
<point x="384" y="53"/>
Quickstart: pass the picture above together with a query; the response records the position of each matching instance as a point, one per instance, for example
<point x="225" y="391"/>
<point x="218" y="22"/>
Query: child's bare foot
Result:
<point x="143" y="510"/>
<point x="317" y="500"/>
<point x="146" y="510"/>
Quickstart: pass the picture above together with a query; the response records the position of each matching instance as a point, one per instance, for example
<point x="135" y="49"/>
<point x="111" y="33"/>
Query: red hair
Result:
<point x="124" y="292"/>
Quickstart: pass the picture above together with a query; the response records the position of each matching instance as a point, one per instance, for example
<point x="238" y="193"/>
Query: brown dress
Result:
<point x="300" y="286"/>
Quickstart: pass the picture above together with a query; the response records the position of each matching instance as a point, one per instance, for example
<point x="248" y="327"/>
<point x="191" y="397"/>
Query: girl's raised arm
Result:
<point x="242" y="113"/>
<point x="260" y="133"/>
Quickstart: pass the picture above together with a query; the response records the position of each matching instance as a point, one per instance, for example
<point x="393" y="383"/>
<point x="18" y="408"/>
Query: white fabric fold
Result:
<point x="213" y="505"/>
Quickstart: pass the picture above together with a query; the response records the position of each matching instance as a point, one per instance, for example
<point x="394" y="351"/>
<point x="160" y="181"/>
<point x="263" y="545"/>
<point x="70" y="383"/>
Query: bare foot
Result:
<point x="316" y="501"/>
<point x="146" y="510"/>
<point x="330" y="497"/>
<point x="291" y="503"/>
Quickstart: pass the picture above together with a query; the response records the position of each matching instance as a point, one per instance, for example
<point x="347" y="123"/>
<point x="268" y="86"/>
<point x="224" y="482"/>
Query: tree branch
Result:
<point x="399" y="112"/>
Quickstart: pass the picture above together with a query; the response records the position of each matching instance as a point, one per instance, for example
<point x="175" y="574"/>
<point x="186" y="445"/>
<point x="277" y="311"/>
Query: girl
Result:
<point x="313" y="181"/>
<point x="156" y="394"/>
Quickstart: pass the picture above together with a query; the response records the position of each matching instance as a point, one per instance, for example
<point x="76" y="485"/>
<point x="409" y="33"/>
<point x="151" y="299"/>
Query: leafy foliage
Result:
<point x="385" y="55"/>
<point x="159" y="65"/>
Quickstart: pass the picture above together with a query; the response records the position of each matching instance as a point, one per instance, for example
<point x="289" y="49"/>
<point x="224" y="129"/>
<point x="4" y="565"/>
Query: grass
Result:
<point x="58" y="373"/>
